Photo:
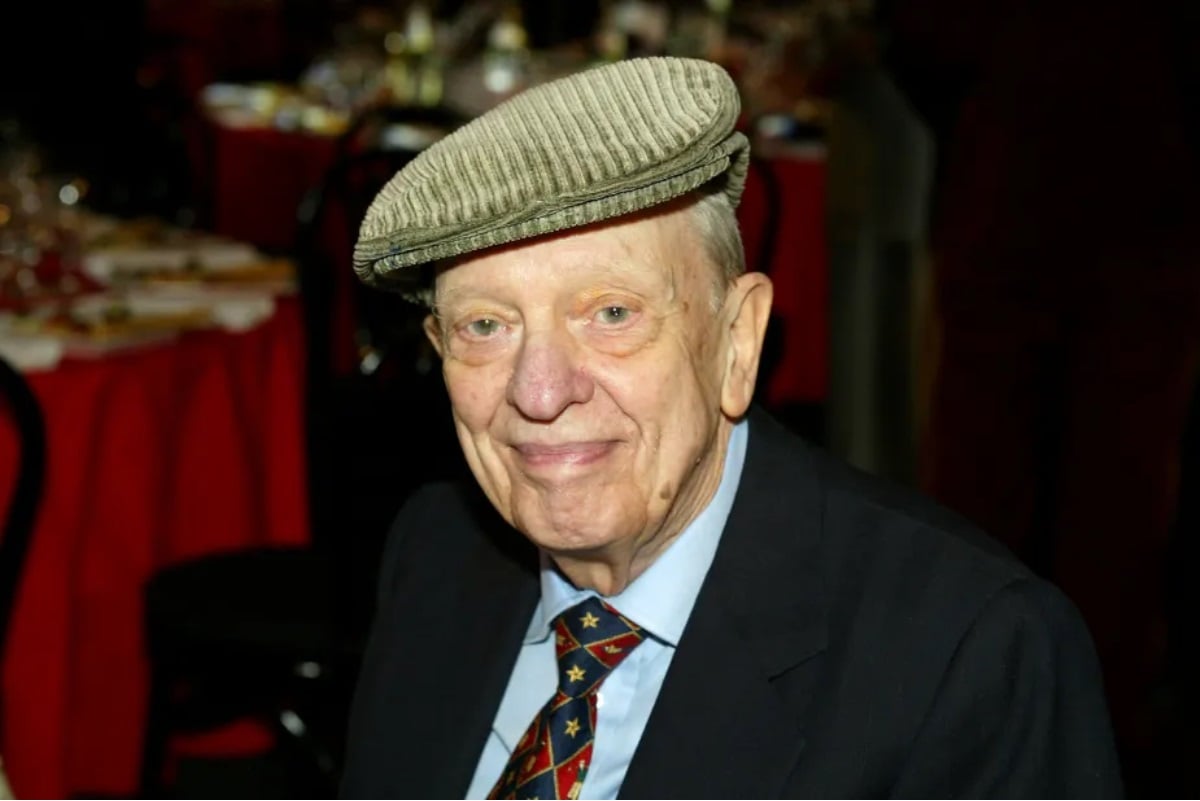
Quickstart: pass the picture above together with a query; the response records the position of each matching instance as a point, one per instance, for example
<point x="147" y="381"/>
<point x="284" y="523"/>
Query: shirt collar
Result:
<point x="660" y="600"/>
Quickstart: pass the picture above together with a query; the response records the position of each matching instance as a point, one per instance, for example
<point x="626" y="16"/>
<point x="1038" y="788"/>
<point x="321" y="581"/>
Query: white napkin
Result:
<point x="5" y="791"/>
<point x="28" y="352"/>
<point x="231" y="308"/>
<point x="104" y="264"/>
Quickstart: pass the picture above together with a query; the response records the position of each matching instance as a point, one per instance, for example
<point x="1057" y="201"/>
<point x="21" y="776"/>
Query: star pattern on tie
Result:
<point x="552" y="757"/>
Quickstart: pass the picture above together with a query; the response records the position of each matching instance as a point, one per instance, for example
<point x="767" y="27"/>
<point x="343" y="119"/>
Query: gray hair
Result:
<point x="717" y="225"/>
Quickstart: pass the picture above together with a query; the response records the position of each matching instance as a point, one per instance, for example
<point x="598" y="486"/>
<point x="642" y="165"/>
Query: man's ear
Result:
<point x="747" y="310"/>
<point x="433" y="330"/>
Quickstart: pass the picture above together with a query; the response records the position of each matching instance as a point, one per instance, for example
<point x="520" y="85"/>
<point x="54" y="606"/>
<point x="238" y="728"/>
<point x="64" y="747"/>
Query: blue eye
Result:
<point x="484" y="327"/>
<point x="613" y="314"/>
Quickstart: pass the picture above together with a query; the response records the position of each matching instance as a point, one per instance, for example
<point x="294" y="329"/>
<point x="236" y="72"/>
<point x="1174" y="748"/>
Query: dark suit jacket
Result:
<point x="850" y="639"/>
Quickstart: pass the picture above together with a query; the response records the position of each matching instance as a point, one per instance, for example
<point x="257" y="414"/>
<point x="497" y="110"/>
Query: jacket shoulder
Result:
<point x="865" y="517"/>
<point x="439" y="529"/>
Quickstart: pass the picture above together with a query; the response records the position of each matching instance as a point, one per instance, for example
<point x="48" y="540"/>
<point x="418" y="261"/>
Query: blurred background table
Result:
<point x="160" y="449"/>
<point x="906" y="93"/>
<point x="196" y="445"/>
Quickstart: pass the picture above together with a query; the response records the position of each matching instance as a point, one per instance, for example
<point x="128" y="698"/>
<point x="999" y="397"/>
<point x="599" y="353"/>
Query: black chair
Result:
<point x="275" y="635"/>
<point x="371" y="371"/>
<point x="21" y="406"/>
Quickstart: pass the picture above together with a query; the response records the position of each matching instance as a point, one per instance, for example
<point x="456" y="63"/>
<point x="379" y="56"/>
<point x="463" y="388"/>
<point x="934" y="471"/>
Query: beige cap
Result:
<point x="592" y="146"/>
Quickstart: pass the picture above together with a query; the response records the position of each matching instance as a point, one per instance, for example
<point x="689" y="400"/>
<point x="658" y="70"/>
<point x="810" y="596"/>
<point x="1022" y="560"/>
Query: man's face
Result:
<point x="585" y="372"/>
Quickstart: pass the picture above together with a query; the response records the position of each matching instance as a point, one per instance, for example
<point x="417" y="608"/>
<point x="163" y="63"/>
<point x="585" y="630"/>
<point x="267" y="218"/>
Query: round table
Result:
<point x="155" y="455"/>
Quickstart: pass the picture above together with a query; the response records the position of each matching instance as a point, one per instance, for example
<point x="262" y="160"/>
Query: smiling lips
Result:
<point x="537" y="455"/>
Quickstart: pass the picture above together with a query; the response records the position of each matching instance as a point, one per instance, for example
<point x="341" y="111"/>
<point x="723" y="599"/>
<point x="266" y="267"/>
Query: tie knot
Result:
<point x="590" y="639"/>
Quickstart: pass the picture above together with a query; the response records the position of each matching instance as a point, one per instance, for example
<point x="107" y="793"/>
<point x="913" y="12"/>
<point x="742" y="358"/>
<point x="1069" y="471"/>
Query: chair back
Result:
<point x="341" y="316"/>
<point x="397" y="128"/>
<point x="20" y="405"/>
<point x="377" y="418"/>
<point x="354" y="329"/>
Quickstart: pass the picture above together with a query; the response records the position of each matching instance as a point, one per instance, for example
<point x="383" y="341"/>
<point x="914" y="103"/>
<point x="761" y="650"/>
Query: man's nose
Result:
<point x="548" y="377"/>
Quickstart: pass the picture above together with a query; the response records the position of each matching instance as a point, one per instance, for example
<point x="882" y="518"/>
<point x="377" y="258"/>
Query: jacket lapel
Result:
<point x="491" y="601"/>
<point x="726" y="724"/>
<point x="496" y="609"/>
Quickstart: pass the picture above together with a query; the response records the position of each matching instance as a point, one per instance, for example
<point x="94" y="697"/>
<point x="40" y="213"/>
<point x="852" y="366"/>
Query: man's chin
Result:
<point x="569" y="524"/>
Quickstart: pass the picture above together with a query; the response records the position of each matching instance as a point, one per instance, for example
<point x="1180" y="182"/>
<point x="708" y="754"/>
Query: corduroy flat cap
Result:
<point x="595" y="145"/>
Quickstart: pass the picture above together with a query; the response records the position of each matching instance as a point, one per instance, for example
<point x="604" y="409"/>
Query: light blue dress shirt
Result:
<point x="660" y="601"/>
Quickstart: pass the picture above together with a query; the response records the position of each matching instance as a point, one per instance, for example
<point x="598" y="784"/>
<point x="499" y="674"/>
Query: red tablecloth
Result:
<point x="259" y="177"/>
<point x="154" y="455"/>
<point x="799" y="272"/>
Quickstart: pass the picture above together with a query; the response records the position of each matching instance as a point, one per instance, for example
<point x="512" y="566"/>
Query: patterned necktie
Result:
<point x="552" y="757"/>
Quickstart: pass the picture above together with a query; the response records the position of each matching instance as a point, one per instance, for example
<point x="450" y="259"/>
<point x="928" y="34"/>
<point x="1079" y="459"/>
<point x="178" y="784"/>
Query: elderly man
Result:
<point x="661" y="592"/>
